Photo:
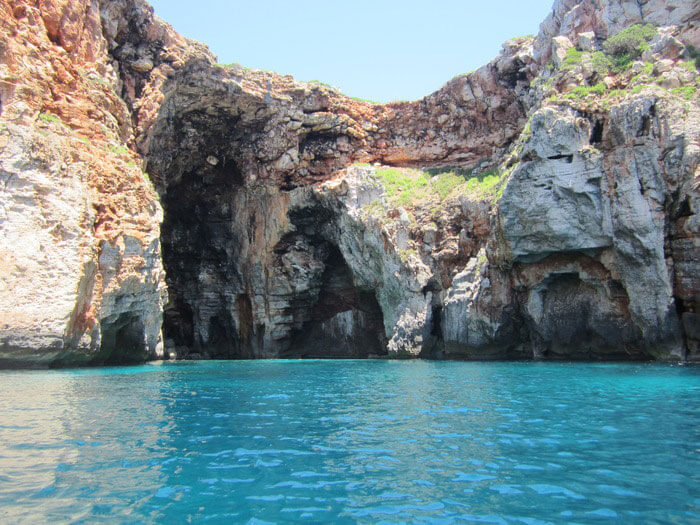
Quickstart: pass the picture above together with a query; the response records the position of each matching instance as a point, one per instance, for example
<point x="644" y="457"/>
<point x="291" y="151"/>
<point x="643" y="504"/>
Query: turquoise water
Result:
<point x="352" y="441"/>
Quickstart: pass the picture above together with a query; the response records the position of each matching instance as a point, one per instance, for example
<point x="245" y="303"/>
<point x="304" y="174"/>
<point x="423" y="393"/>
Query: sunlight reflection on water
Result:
<point x="351" y="441"/>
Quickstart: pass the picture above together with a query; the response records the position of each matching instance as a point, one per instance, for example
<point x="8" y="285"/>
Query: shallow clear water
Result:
<point x="347" y="441"/>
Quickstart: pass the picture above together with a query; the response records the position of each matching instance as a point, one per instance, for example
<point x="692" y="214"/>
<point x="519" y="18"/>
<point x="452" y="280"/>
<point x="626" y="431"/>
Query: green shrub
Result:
<point x="617" y="93"/>
<point x="365" y="100"/>
<point x="629" y="44"/>
<point x="694" y="55"/>
<point x="689" y="65"/>
<point x="118" y="150"/>
<point x="446" y="182"/>
<point x="598" y="89"/>
<point x="622" y="63"/>
<point x="601" y="63"/>
<point x="404" y="185"/>
<point x="632" y="40"/>
<point x="485" y="183"/>
<point x="232" y="65"/>
<point x="640" y="87"/>
<point x="406" y="254"/>
<point x="687" y="92"/>
<point x="462" y="172"/>
<point x="584" y="91"/>
<point x="49" y="118"/>
<point x="411" y="188"/>
<point x="572" y="58"/>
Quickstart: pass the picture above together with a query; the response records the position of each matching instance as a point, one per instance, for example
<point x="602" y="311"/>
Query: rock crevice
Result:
<point x="544" y="206"/>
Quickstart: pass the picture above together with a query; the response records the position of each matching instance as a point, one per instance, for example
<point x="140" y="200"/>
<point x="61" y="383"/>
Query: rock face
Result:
<point x="82" y="278"/>
<point x="566" y="228"/>
<point x="576" y="19"/>
<point x="610" y="206"/>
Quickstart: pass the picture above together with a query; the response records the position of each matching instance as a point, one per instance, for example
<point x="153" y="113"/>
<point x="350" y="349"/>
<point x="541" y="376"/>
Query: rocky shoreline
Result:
<point x="156" y="204"/>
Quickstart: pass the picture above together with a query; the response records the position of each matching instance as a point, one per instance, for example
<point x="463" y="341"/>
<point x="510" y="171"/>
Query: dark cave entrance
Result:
<point x="231" y="296"/>
<point x="122" y="339"/>
<point x="346" y="321"/>
<point x="199" y="244"/>
<point x="333" y="316"/>
<point x="582" y="320"/>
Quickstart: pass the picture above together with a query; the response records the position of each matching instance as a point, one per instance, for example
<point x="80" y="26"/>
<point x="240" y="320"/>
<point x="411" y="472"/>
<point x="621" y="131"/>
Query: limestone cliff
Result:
<point x="544" y="206"/>
<point x="82" y="277"/>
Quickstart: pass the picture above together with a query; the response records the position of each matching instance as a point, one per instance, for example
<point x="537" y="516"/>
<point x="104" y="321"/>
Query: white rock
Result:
<point x="663" y="65"/>
<point x="64" y="292"/>
<point x="587" y="41"/>
<point x="560" y="45"/>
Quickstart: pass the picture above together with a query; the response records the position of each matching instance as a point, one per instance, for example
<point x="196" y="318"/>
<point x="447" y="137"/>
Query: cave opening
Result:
<point x="574" y="318"/>
<point x="178" y="325"/>
<point x="221" y="336"/>
<point x="597" y="132"/>
<point x="198" y="245"/>
<point x="122" y="339"/>
<point x="345" y="321"/>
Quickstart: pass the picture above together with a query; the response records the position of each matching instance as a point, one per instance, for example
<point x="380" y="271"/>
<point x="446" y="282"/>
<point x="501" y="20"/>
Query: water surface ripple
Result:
<point x="352" y="441"/>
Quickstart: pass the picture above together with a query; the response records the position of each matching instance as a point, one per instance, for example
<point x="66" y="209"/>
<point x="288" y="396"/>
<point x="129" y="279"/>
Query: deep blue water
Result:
<point x="352" y="441"/>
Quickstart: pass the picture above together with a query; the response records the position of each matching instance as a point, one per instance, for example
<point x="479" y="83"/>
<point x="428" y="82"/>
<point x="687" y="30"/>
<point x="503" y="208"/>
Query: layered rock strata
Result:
<point x="82" y="277"/>
<point x="295" y="223"/>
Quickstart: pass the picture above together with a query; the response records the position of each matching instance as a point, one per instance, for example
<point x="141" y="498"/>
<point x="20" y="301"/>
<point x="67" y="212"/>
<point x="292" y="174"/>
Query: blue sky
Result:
<point x="380" y="50"/>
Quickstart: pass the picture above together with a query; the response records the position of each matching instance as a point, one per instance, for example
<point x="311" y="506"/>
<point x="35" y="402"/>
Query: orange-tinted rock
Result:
<point x="268" y="235"/>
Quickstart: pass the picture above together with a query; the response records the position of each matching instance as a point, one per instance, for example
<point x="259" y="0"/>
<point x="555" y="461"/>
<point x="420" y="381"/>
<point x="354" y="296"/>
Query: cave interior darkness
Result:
<point x="210" y="312"/>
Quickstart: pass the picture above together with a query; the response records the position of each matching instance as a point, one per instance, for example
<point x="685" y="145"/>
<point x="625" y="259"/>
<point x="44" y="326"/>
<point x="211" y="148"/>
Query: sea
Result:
<point x="351" y="441"/>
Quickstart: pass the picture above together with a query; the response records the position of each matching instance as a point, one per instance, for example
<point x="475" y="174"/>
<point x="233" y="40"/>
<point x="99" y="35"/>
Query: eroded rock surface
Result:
<point x="82" y="279"/>
<point x="294" y="223"/>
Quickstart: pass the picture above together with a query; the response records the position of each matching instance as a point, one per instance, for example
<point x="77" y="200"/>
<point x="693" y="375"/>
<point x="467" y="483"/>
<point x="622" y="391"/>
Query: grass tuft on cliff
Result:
<point x="411" y="188"/>
<point x="404" y="186"/>
<point x="365" y="100"/>
<point x="118" y="150"/>
<point x="629" y="44"/>
<point x="687" y="92"/>
<point x="49" y="118"/>
<point x="572" y="58"/>
<point x="583" y="91"/>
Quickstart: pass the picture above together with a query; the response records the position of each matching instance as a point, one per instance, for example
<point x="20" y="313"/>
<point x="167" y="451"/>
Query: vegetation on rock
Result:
<point x="413" y="188"/>
<point x="694" y="55"/>
<point x="118" y="150"/>
<point x="583" y="91"/>
<point x="49" y="118"/>
<point x="628" y="45"/>
<point x="572" y="58"/>
<point x="607" y="77"/>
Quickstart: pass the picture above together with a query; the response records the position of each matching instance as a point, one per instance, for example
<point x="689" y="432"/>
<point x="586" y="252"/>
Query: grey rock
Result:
<point x="587" y="41"/>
